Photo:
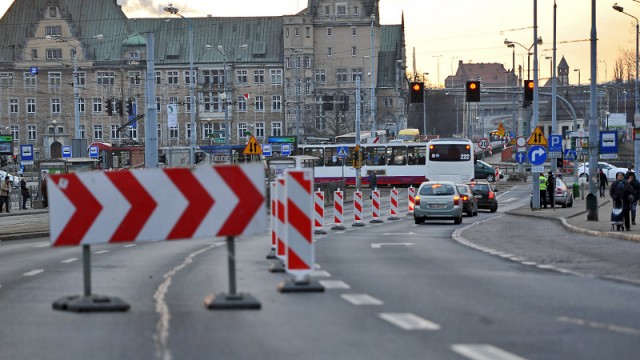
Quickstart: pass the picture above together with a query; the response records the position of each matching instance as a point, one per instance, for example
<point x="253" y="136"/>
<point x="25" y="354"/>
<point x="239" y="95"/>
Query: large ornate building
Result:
<point x="289" y="75"/>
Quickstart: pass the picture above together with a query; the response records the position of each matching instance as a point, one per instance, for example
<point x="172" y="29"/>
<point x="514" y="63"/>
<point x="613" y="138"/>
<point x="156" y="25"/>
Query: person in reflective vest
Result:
<point x="543" y="190"/>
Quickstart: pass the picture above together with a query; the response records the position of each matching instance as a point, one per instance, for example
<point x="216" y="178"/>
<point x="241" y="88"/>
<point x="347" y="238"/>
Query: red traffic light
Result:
<point x="416" y="87"/>
<point x="472" y="86"/>
<point x="530" y="84"/>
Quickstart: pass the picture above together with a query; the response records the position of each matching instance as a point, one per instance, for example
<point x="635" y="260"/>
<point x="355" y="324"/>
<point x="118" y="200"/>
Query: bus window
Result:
<point x="377" y="156"/>
<point x="396" y="155"/>
<point x="317" y="152"/>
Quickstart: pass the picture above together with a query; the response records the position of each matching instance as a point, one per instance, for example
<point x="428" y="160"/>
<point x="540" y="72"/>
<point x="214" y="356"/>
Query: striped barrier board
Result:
<point x="357" y="208"/>
<point x="318" y="223"/>
<point x="375" y="207"/>
<point x="412" y="199"/>
<point x="393" y="208"/>
<point x="338" y="210"/>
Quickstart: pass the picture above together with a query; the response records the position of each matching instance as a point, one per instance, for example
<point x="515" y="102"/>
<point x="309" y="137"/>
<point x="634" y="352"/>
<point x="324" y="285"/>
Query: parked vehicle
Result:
<point x="563" y="195"/>
<point x="486" y="195"/>
<point x="609" y="169"/>
<point x="438" y="200"/>
<point x="469" y="202"/>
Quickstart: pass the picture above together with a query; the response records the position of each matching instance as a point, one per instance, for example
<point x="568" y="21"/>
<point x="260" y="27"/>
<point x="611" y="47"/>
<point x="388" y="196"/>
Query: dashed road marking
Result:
<point x="40" y="245"/>
<point x="361" y="299"/>
<point x="69" y="260"/>
<point x="599" y="325"/>
<point x="408" y="321"/>
<point x="33" y="272"/>
<point x="508" y="200"/>
<point x="130" y="245"/>
<point x="334" y="284"/>
<point x="320" y="273"/>
<point x="101" y="252"/>
<point x="483" y="352"/>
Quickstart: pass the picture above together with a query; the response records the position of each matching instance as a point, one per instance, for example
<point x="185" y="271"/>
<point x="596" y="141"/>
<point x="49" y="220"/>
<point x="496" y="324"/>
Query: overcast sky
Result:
<point x="444" y="32"/>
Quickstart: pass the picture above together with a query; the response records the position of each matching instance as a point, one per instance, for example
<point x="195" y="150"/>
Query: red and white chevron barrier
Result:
<point x="318" y="223"/>
<point x="273" y="220"/>
<point x="412" y="199"/>
<point x="338" y="210"/>
<point x="375" y="206"/>
<point x="299" y="231"/>
<point x="281" y="248"/>
<point x="156" y="204"/>
<point x="357" y="208"/>
<point x="393" y="206"/>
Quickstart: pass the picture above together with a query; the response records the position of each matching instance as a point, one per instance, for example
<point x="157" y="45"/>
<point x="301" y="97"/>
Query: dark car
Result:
<point x="469" y="202"/>
<point x="482" y="170"/>
<point x="486" y="195"/>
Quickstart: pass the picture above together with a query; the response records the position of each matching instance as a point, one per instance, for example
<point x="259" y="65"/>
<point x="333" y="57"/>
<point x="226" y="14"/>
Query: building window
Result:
<point x="341" y="10"/>
<point x="307" y="61"/>
<point x="189" y="79"/>
<point x="55" y="79"/>
<point x="158" y="77"/>
<point x="355" y="74"/>
<point x="259" y="104"/>
<point x="97" y="132"/>
<point x="354" y="52"/>
<point x="54" y="54"/>
<point x="81" y="105"/>
<point x="53" y="11"/>
<point x="298" y="64"/>
<point x="34" y="54"/>
<point x="276" y="77"/>
<point x="83" y="132"/>
<point x="329" y="52"/>
<point x="308" y="88"/>
<point x="355" y="10"/>
<point x="32" y="133"/>
<point x="258" y="76"/>
<point x="15" y="131"/>
<point x="327" y="12"/>
<point x="158" y="108"/>
<point x="276" y="103"/>
<point x="106" y="77"/>
<point x="97" y="105"/>
<point x="55" y="106"/>
<point x="241" y="76"/>
<point x="276" y="128"/>
<point x="329" y="31"/>
<point x="6" y="80"/>
<point x="187" y="104"/>
<point x="287" y="62"/>
<point x="81" y="79"/>
<point x="31" y="106"/>
<point x="134" y="78"/>
<point x="172" y="77"/>
<point x="242" y="130"/>
<point x="242" y="103"/>
<point x="320" y="76"/>
<point x="133" y="132"/>
<point x="297" y="31"/>
<point x="341" y="75"/>
<point x="388" y="102"/>
<point x="207" y="131"/>
<point x="286" y="32"/>
<point x="115" y="134"/>
<point x="259" y="130"/>
<point x="55" y="30"/>
<point x="13" y="106"/>
<point x="187" y="131"/>
<point x="307" y="31"/>
<point x="174" y="133"/>
<point x="353" y="31"/>
<point x="30" y="80"/>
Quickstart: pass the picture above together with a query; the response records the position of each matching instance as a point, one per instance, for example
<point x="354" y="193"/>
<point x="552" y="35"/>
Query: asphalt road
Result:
<point x="393" y="290"/>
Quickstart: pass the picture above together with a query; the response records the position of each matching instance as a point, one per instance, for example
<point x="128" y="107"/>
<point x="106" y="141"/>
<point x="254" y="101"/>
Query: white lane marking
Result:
<point x="320" y="273"/>
<point x="101" y="252"/>
<point x="33" y="272"/>
<point x="69" y="260"/>
<point x="483" y="352"/>
<point x="39" y="245"/>
<point x="400" y="234"/>
<point x="598" y="325"/>
<point x="380" y="245"/>
<point x="408" y="321"/>
<point x="160" y="338"/>
<point x="508" y="200"/>
<point x="334" y="284"/>
<point x="361" y="299"/>
<point x="130" y="245"/>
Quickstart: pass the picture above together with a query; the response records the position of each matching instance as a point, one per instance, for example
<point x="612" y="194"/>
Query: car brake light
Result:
<point x="465" y="198"/>
<point x="491" y="194"/>
<point x="416" y="200"/>
<point x="456" y="200"/>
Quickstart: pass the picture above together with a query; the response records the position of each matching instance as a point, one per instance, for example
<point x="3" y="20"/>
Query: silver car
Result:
<point x="563" y="195"/>
<point x="438" y="200"/>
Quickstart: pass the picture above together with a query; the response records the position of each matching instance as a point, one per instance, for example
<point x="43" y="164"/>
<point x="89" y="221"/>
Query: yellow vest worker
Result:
<point x="543" y="191"/>
<point x="543" y="183"/>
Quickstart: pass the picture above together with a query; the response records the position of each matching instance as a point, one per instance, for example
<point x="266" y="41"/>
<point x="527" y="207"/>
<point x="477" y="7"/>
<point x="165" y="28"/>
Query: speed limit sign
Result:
<point x="483" y="143"/>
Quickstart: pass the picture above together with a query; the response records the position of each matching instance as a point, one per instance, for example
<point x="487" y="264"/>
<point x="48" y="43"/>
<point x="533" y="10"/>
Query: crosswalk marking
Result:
<point x="483" y="352"/>
<point x="334" y="284"/>
<point x="361" y="299"/>
<point x="408" y="321"/>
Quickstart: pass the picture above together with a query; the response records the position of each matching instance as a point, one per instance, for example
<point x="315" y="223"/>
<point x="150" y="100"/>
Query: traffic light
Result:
<point x="162" y="158"/>
<point x="417" y="92"/>
<point x="472" y="91"/>
<point x="528" y="90"/>
<point x="119" y="107"/>
<point x="15" y="159"/>
<point x="109" y="107"/>
<point x="3" y="161"/>
<point x="130" y="106"/>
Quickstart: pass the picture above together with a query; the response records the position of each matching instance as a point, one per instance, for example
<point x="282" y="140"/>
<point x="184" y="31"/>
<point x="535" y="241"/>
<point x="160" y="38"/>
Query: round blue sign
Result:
<point x="537" y="155"/>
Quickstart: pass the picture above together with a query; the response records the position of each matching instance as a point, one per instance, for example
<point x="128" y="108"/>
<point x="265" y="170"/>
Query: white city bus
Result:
<point x="398" y="164"/>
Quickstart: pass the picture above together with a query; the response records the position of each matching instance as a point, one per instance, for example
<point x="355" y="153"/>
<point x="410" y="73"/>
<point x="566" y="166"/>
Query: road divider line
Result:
<point x="483" y="352"/>
<point x="130" y="245"/>
<point x="101" y="252"/>
<point x="409" y="321"/>
<point x="33" y="272"/>
<point x="334" y="284"/>
<point x="40" y="245"/>
<point x="69" y="260"/>
<point x="320" y="273"/>
<point x="599" y="325"/>
<point x="361" y="299"/>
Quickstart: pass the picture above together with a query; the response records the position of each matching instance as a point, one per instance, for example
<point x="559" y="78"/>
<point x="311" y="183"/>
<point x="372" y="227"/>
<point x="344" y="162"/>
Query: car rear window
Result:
<point x="437" y="189"/>
<point x="481" y="187"/>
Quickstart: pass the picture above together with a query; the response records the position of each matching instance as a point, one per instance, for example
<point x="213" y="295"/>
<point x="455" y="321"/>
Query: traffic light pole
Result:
<point x="358" y="170"/>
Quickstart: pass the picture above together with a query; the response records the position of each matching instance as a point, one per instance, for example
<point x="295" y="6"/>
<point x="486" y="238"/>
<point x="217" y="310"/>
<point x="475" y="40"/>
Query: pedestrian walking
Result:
<point x="635" y="184"/>
<point x="24" y="190"/>
<point x="5" y="190"/>
<point x="543" y="190"/>
<point x="551" y="187"/>
<point x="373" y="180"/>
<point x="43" y="190"/>
<point x="621" y="193"/>
<point x="603" y="182"/>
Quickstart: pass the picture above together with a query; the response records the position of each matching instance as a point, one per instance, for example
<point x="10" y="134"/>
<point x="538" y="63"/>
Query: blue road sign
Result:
<point x="33" y="70"/>
<point x="26" y="152"/>
<point x="66" y="151"/>
<point x="520" y="158"/>
<point x="266" y="149"/>
<point x="537" y="155"/>
<point x="286" y="149"/>
<point x="569" y="154"/>
<point x="555" y="143"/>
<point x="608" y="142"/>
<point x="94" y="152"/>
<point x="343" y="153"/>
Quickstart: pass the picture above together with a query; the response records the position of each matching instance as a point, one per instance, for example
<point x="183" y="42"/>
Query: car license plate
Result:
<point x="436" y="206"/>
<point x="477" y="196"/>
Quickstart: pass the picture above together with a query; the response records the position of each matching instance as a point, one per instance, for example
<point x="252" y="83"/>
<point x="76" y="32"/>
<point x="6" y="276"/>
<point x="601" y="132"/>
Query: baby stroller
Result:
<point x="617" y="219"/>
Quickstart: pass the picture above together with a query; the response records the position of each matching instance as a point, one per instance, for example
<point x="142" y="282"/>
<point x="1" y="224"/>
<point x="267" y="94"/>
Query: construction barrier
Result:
<point x="274" y="220"/>
<point x="357" y="208"/>
<point x="412" y="199"/>
<point x="338" y="209"/>
<point x="318" y="222"/>
<point x="393" y="206"/>
<point x="281" y="246"/>
<point x="375" y="207"/>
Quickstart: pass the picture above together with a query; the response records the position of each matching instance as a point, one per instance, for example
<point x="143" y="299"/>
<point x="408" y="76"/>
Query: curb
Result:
<point x="22" y="236"/>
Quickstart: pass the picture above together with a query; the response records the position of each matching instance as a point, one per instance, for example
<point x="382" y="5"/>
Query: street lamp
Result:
<point x="192" y="85"/>
<point x="637" y="111"/>
<point x="224" y="53"/>
<point x="509" y="43"/>
<point x="607" y="114"/>
<point x="578" y="70"/>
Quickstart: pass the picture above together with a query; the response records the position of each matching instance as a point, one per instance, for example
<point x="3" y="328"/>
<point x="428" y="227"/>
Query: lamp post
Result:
<point x="192" y="85"/>
<point x="438" y="57"/>
<point x="578" y="70"/>
<point x="373" y="94"/>
<point x="424" y="105"/>
<point x="227" y="138"/>
<point x="529" y="53"/>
